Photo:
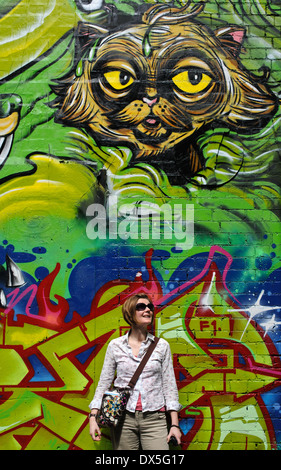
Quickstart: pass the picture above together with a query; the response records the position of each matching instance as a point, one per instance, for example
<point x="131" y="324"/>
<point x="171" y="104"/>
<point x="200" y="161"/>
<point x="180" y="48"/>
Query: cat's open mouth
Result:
<point x="152" y="122"/>
<point x="151" y="130"/>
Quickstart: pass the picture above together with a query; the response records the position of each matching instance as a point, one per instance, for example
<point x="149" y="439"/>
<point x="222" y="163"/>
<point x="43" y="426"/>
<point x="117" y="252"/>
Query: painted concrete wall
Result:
<point x="140" y="152"/>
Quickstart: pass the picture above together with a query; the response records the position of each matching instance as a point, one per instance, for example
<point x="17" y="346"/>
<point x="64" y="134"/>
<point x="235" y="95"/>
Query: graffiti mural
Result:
<point x="140" y="152"/>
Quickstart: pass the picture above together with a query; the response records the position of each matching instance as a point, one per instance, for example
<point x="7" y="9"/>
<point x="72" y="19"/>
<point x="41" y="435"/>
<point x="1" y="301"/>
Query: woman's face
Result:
<point x="144" y="312"/>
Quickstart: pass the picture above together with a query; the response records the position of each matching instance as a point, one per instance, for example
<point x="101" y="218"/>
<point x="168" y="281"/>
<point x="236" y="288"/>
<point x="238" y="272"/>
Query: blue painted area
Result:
<point x="41" y="374"/>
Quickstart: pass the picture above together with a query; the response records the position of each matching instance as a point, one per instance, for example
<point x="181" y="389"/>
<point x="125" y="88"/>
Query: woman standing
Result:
<point x="155" y="392"/>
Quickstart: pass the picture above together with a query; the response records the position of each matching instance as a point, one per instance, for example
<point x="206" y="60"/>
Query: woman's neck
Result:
<point x="138" y="333"/>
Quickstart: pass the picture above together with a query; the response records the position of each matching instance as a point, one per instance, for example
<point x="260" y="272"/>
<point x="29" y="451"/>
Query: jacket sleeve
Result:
<point x="170" y="389"/>
<point x="106" y="377"/>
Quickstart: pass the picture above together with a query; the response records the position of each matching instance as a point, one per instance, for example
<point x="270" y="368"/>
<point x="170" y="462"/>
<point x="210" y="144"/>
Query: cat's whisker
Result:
<point x="131" y="114"/>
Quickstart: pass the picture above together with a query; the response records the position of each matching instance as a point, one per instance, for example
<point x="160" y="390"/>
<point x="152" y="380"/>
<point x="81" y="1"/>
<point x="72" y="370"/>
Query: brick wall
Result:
<point x="140" y="154"/>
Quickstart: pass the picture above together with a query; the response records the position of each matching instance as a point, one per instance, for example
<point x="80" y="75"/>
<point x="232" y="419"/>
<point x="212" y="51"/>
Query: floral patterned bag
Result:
<point x="113" y="405"/>
<point x="114" y="401"/>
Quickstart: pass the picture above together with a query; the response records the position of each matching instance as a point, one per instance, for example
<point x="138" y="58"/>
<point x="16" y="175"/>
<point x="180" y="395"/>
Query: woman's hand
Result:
<point x="94" y="429"/>
<point x="174" y="428"/>
<point x="176" y="432"/>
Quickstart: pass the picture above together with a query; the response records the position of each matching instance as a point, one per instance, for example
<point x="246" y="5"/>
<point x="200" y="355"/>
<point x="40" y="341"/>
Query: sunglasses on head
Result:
<point x="143" y="306"/>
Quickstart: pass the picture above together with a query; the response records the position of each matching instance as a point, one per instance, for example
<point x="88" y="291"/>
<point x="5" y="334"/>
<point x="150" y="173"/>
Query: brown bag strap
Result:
<point x="139" y="370"/>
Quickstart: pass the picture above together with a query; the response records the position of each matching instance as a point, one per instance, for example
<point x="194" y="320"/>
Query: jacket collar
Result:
<point x="149" y="336"/>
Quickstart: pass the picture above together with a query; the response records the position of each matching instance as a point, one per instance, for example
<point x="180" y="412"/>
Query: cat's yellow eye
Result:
<point x="192" y="81"/>
<point x="119" y="79"/>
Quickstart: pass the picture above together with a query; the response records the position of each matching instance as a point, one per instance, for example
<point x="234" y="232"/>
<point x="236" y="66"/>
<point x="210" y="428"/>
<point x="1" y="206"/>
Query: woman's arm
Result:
<point x="105" y="381"/>
<point x="171" y="395"/>
<point x="106" y="377"/>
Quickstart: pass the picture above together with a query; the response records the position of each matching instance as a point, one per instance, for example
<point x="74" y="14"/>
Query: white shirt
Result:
<point x="157" y="383"/>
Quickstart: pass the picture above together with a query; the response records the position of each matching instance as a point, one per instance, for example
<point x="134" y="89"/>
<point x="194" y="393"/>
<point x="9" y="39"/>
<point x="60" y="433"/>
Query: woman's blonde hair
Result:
<point x="129" y="307"/>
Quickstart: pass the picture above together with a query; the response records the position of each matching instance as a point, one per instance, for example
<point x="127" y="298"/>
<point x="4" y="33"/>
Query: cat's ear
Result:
<point x="86" y="34"/>
<point x="232" y="38"/>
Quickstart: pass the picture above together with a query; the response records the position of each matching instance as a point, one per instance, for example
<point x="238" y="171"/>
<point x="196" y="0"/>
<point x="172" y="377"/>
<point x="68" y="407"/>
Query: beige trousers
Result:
<point x="145" y="431"/>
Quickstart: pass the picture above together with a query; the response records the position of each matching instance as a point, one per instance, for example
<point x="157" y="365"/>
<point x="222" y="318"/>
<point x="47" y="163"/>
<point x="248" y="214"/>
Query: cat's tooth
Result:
<point x="2" y="140"/>
<point x="5" y="147"/>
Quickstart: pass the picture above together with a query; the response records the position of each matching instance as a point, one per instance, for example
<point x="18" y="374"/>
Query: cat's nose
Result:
<point x="150" y="101"/>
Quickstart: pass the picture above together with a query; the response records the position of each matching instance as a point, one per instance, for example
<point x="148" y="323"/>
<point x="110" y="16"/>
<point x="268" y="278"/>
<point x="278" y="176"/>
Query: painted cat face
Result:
<point x="154" y="85"/>
<point x="157" y="101"/>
